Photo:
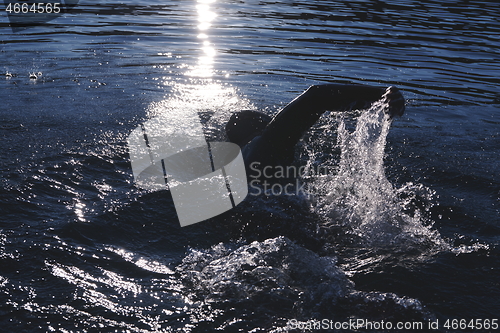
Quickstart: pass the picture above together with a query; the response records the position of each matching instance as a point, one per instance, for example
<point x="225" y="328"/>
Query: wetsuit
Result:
<point x="272" y="141"/>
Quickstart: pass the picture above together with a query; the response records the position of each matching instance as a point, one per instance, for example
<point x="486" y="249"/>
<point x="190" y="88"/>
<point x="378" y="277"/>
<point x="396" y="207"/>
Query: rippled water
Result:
<point x="407" y="229"/>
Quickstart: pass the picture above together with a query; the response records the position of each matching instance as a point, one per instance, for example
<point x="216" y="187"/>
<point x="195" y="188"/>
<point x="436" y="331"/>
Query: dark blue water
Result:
<point x="406" y="230"/>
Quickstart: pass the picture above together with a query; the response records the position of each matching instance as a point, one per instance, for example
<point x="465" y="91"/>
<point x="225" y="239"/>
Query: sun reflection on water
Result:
<point x="202" y="93"/>
<point x="204" y="68"/>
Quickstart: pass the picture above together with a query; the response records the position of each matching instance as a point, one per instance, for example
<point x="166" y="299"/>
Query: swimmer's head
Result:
<point x="243" y="126"/>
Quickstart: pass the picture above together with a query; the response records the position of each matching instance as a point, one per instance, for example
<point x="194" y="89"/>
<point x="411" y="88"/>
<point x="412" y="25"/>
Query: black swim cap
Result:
<point x="243" y="126"/>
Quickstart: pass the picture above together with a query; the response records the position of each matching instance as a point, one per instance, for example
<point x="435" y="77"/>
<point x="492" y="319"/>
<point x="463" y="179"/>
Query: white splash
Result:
<point x="361" y="198"/>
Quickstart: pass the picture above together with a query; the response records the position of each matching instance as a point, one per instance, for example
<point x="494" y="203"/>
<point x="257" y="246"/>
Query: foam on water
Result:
<point x="281" y="280"/>
<point x="360" y="197"/>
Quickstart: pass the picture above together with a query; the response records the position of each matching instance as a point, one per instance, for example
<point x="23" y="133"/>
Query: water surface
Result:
<point x="83" y="250"/>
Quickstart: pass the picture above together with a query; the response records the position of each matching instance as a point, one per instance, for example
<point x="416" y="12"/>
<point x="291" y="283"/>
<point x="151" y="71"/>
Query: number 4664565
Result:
<point x="35" y="8"/>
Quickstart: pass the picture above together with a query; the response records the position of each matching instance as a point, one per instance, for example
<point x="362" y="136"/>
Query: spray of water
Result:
<point x="361" y="198"/>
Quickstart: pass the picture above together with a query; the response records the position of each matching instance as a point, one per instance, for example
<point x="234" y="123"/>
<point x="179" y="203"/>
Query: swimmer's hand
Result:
<point x="395" y="100"/>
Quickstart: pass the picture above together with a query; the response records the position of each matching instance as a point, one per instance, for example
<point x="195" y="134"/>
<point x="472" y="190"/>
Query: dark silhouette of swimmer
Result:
<point x="271" y="141"/>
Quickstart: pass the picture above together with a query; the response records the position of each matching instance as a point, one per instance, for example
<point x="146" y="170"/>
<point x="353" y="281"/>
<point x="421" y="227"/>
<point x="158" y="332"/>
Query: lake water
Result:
<point x="407" y="230"/>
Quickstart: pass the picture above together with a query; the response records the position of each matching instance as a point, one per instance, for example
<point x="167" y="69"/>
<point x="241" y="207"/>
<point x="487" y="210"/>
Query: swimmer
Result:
<point x="35" y="76"/>
<point x="271" y="141"/>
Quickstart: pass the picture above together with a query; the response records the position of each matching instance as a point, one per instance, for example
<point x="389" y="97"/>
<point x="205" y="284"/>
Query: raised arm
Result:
<point x="288" y="126"/>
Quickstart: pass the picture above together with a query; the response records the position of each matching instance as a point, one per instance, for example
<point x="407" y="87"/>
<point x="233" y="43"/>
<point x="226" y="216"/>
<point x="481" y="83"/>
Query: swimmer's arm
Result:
<point x="298" y="116"/>
<point x="337" y="97"/>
